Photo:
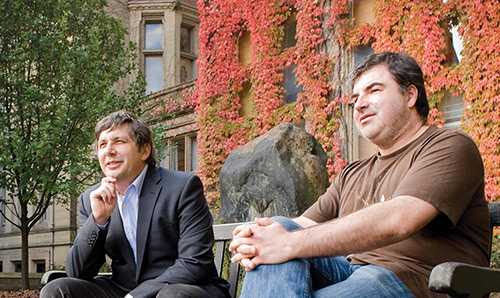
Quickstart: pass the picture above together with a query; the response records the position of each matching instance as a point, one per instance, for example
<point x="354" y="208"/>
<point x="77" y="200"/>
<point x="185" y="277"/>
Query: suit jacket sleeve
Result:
<point x="196" y="238"/>
<point x="87" y="254"/>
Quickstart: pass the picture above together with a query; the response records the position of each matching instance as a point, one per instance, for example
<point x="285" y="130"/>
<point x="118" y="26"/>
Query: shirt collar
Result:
<point x="139" y="181"/>
<point x="137" y="185"/>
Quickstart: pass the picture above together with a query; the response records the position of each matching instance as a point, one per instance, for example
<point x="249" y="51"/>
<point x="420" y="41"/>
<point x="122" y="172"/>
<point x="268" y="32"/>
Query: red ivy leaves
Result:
<point x="416" y="27"/>
<point x="480" y="30"/>
<point x="221" y="78"/>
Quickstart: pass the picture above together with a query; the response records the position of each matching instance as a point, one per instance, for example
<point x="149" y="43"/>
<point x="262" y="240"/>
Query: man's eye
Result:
<point x="102" y="145"/>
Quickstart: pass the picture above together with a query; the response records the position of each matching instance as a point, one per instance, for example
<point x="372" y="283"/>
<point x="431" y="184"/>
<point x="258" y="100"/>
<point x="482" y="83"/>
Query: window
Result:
<point x="290" y="32"/>
<point x="153" y="55"/>
<point x="363" y="12"/>
<point x="362" y="148"/>
<point x="187" y="52"/>
<point x="178" y="149"/>
<point x="182" y="154"/>
<point x="154" y="36"/>
<point x="154" y="73"/>
<point x="193" y="154"/>
<point x="457" y="42"/>
<point x="246" y="99"/>
<point x="1" y="266"/>
<point x="17" y="266"/>
<point x="186" y="40"/>
<point x="185" y="70"/>
<point x="361" y="52"/>
<point x="44" y="217"/>
<point x="452" y="108"/>
<point x="291" y="88"/>
<point x="39" y="266"/>
<point x="290" y="40"/>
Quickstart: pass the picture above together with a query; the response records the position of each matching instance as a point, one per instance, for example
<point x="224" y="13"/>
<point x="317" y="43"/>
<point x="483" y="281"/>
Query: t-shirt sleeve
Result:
<point x="446" y="172"/>
<point x="326" y="207"/>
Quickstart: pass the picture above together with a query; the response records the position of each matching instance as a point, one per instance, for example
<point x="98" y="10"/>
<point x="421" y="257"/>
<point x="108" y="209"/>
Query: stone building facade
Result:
<point x="165" y="32"/>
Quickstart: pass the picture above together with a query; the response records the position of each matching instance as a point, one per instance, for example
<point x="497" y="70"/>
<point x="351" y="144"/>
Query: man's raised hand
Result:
<point x="103" y="201"/>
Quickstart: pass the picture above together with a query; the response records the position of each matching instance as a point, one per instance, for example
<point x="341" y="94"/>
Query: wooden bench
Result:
<point x="463" y="280"/>
<point x="223" y="234"/>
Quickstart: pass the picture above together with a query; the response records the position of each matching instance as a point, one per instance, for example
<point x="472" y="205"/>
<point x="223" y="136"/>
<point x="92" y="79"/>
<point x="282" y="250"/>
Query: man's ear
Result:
<point x="411" y="96"/>
<point x="145" y="151"/>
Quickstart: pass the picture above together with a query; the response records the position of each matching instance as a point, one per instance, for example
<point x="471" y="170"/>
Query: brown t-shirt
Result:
<point x="442" y="167"/>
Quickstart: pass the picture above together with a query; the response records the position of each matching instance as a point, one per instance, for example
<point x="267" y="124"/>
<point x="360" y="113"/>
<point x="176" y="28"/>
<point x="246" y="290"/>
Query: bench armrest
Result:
<point x="51" y="275"/>
<point x="459" y="279"/>
<point x="55" y="274"/>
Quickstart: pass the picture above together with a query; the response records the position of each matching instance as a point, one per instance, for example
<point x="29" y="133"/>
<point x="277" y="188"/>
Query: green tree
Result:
<point x="59" y="61"/>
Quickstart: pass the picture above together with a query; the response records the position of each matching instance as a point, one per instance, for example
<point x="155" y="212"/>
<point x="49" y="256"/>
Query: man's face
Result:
<point x="119" y="156"/>
<point x="381" y="112"/>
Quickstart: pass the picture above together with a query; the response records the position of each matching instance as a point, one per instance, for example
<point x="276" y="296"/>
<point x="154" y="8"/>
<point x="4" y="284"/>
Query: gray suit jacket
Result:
<point x="174" y="238"/>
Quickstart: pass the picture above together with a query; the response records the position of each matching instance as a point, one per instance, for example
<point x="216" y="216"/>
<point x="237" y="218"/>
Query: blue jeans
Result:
<point x="321" y="277"/>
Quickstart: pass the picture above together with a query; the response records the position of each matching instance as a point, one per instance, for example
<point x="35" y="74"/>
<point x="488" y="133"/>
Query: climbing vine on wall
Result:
<point x="222" y="76"/>
<point x="420" y="28"/>
<point x="480" y="78"/>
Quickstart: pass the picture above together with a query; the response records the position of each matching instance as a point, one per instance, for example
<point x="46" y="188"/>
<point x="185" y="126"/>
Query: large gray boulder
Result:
<point x="282" y="172"/>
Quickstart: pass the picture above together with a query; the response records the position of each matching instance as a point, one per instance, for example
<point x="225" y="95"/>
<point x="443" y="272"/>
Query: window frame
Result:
<point x="191" y="55"/>
<point x="171" y="159"/>
<point x="154" y="18"/>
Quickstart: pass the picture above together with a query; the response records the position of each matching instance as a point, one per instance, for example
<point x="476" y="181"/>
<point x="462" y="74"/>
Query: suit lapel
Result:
<point x="116" y="229"/>
<point x="147" y="200"/>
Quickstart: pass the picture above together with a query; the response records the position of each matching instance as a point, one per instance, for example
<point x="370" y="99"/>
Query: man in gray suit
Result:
<point x="153" y="223"/>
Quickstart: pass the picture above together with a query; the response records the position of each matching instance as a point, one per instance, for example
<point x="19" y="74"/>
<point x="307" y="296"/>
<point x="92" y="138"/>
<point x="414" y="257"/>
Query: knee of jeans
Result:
<point x="52" y="289"/>
<point x="287" y="223"/>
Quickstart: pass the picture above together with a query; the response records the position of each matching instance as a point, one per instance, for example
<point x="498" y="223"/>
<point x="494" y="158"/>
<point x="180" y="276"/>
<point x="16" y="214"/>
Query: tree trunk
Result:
<point x="25" y="281"/>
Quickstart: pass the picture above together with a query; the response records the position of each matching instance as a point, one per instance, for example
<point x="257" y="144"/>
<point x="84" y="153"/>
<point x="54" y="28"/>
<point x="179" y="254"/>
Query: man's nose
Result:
<point x="361" y="103"/>
<point x="110" y="149"/>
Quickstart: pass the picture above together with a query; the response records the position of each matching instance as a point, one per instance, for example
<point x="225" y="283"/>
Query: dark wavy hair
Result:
<point x="405" y="71"/>
<point x="139" y="131"/>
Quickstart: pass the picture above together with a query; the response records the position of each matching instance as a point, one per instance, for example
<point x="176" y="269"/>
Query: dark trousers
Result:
<point x="103" y="287"/>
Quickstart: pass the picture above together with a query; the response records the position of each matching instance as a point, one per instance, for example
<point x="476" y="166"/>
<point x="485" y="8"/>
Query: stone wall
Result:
<point x="12" y="281"/>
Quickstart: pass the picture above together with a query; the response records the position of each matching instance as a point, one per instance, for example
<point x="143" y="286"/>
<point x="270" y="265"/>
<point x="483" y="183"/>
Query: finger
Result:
<point x="237" y="258"/>
<point x="264" y="221"/>
<point x="237" y="242"/>
<point x="255" y="262"/>
<point x="248" y="264"/>
<point x="246" y="232"/>
<point x="109" y="192"/>
<point x="238" y="229"/>
<point x="105" y="194"/>
<point x="234" y="244"/>
<point x="247" y="250"/>
<point x="241" y="228"/>
<point x="108" y="179"/>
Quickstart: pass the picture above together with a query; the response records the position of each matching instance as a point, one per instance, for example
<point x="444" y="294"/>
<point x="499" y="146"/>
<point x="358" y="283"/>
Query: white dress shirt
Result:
<point x="129" y="209"/>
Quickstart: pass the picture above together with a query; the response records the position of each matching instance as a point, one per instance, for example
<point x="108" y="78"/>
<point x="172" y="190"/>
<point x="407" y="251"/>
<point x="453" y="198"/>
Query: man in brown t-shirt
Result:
<point x="386" y="220"/>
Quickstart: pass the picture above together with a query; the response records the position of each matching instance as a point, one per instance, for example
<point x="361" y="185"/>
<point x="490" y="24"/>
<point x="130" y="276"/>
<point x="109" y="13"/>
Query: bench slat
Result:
<point x="219" y="255"/>
<point x="494" y="208"/>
